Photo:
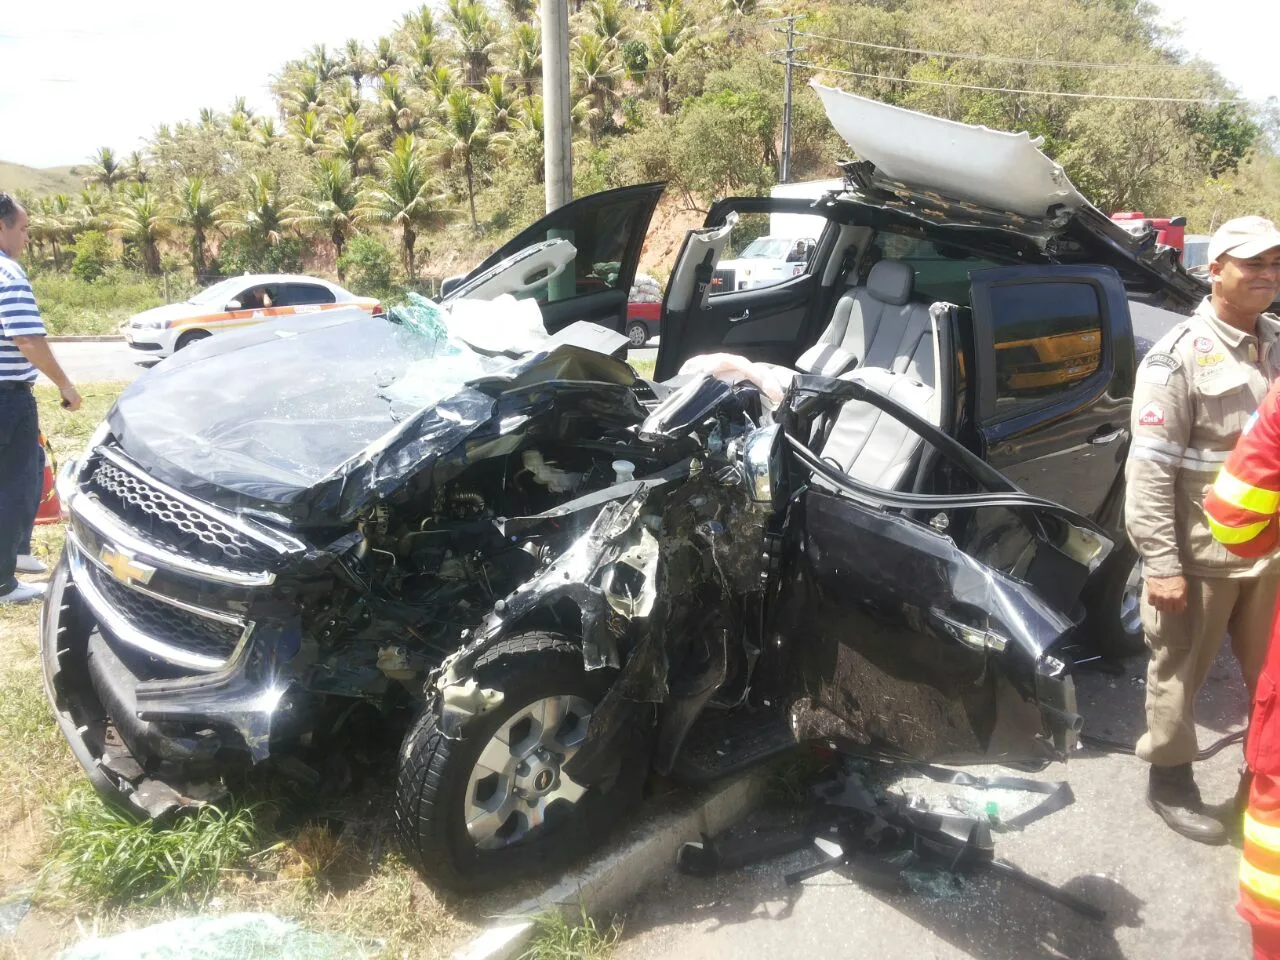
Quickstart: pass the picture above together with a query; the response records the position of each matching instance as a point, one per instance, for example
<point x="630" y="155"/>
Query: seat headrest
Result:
<point x="890" y="282"/>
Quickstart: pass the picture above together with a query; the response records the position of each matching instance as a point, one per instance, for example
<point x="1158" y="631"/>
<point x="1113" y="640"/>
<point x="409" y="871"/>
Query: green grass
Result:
<point x="71" y="306"/>
<point x="644" y="368"/>
<point x="100" y="856"/>
<point x="555" y="938"/>
<point x="40" y="181"/>
<point x="68" y="432"/>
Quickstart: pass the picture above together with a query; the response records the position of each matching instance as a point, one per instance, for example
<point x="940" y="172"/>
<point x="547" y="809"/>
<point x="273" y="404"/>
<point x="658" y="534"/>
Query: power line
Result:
<point x="996" y="58"/>
<point x="1035" y="93"/>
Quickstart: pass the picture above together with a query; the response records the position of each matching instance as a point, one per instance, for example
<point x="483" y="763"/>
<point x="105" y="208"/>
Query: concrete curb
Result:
<point x="615" y="876"/>
<point x="113" y="338"/>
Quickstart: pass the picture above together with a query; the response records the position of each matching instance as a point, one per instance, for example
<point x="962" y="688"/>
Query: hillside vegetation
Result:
<point x="427" y="145"/>
<point x="14" y="177"/>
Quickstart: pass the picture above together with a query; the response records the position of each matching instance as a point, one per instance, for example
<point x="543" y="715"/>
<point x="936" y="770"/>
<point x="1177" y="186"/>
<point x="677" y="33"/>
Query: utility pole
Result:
<point x="556" y="119"/>
<point x="784" y="172"/>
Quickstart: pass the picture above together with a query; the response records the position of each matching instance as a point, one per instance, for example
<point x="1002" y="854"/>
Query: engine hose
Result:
<point x="1118" y="746"/>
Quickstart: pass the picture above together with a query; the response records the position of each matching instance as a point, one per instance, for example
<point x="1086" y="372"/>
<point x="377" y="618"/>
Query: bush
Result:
<point x="70" y="305"/>
<point x="247" y="254"/>
<point x="93" y="255"/>
<point x="365" y="266"/>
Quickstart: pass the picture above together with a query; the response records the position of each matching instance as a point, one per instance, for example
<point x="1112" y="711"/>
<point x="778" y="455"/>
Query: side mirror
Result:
<point x="233" y="305"/>
<point x="450" y="284"/>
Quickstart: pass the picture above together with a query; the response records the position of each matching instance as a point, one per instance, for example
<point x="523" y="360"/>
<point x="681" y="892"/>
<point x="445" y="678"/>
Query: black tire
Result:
<point x="190" y="337"/>
<point x="638" y="334"/>
<point x="1112" y="626"/>
<point x="434" y="771"/>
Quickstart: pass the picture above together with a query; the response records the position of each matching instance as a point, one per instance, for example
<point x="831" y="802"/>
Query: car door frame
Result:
<point x="734" y="315"/>
<point x="1089" y="420"/>
<point x="607" y="307"/>
<point x="874" y="589"/>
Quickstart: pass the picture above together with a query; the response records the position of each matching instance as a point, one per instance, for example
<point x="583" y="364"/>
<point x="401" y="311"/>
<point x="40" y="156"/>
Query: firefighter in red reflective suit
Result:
<point x="1241" y="509"/>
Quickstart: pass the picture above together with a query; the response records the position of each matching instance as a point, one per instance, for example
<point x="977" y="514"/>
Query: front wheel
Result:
<point x="495" y="803"/>
<point x="190" y="337"/>
<point x="638" y="334"/>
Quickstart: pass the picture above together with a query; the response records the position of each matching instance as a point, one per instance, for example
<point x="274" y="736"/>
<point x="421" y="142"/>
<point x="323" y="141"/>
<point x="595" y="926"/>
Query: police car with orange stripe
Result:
<point x="236" y="303"/>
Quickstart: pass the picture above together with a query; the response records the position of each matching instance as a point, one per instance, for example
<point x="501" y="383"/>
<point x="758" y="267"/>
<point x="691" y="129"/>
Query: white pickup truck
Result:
<point x="763" y="262"/>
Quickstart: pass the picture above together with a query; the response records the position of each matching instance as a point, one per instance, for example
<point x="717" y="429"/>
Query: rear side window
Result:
<point x="941" y="271"/>
<point x="301" y="294"/>
<point x="1048" y="338"/>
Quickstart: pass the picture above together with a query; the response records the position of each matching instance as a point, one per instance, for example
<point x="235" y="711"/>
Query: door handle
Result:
<point x="744" y="315"/>
<point x="1106" y="434"/>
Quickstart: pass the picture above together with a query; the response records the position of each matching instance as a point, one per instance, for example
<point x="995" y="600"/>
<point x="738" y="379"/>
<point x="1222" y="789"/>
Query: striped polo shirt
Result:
<point x="18" y="318"/>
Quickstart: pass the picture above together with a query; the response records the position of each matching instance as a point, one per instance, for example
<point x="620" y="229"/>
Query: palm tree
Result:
<point x="345" y="98"/>
<point x="595" y="67"/>
<point x="404" y="195"/>
<point x="265" y="132"/>
<point x="306" y="131"/>
<point x="521" y="10"/>
<point x="440" y="82"/>
<point x="499" y="102"/>
<point x="95" y="209"/>
<point x="395" y="109"/>
<point x="476" y="38"/>
<point x="350" y="141"/>
<point x="606" y="19"/>
<point x="329" y="205"/>
<point x="383" y="57"/>
<point x="668" y="30"/>
<point x="196" y="210"/>
<point x="240" y="105"/>
<point x="136" y="167"/>
<point x="209" y="119"/>
<point x="528" y="137"/>
<point x="303" y="93"/>
<point x="355" y="62"/>
<point x="323" y="64"/>
<point x="419" y="21"/>
<point x="240" y="126"/>
<point x="464" y="137"/>
<point x="105" y="169"/>
<point x="526" y="55"/>
<point x="259" y="213"/>
<point x="142" y="221"/>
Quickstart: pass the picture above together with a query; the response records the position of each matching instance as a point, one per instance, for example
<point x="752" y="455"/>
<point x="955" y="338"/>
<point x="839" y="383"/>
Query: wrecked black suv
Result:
<point x="874" y="505"/>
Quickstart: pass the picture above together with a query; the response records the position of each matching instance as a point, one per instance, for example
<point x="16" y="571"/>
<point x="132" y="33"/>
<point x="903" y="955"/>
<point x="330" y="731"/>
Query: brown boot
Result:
<point x="1173" y="794"/>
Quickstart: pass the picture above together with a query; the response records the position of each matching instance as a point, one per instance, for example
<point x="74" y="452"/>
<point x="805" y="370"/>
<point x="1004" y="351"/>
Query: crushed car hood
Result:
<point x="307" y="420"/>
<point x="1003" y="171"/>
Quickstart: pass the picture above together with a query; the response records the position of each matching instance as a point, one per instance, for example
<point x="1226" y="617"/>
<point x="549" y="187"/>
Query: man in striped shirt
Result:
<point x="23" y="351"/>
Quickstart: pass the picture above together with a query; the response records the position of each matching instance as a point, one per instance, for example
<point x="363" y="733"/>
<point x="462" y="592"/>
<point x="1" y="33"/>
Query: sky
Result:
<point x="78" y="75"/>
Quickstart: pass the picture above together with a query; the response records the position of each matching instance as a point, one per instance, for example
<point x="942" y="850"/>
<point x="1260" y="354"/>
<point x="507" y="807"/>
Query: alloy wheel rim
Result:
<point x="638" y="336"/>
<point x="517" y="778"/>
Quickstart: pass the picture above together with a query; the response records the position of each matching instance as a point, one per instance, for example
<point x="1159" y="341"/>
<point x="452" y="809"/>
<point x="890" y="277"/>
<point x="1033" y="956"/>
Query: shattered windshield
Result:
<point x="271" y="411"/>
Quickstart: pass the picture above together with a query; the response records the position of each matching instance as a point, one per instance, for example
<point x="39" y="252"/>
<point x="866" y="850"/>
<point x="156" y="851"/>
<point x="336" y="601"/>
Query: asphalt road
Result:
<point x="1165" y="896"/>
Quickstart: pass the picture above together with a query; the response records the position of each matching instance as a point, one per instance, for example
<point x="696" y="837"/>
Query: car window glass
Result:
<point x="941" y="271"/>
<point x="301" y="294"/>
<point x="600" y="235"/>
<point x="1048" y="337"/>
<point x="758" y="257"/>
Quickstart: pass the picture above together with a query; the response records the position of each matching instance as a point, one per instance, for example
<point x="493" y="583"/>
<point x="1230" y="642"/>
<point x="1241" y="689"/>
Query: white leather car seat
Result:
<point x="901" y="355"/>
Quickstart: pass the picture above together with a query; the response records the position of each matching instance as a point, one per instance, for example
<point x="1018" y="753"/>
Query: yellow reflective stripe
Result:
<point x="1224" y="534"/>
<point x="1261" y="834"/>
<point x="1262" y="884"/>
<point x="1236" y="492"/>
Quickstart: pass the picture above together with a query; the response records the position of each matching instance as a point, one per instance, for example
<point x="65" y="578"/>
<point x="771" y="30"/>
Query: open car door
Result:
<point x="930" y="627"/>
<point x="607" y="230"/>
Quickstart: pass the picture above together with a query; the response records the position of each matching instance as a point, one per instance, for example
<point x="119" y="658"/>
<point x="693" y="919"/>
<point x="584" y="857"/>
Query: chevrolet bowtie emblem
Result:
<point x="123" y="567"/>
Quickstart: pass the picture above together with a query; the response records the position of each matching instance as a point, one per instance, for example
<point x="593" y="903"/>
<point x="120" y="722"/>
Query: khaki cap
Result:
<point x="1244" y="237"/>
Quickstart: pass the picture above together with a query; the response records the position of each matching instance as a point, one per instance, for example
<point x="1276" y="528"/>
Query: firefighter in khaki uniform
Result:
<point x="1195" y="391"/>
<point x="1241" y="510"/>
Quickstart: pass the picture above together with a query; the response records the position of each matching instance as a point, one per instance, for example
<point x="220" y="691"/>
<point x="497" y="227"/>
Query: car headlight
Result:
<point x="65" y="481"/>
<point x="149" y="325"/>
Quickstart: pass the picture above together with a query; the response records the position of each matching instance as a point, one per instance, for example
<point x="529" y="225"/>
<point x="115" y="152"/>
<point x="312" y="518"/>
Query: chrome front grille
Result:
<point x="161" y="517"/>
<point x="194" y="634"/>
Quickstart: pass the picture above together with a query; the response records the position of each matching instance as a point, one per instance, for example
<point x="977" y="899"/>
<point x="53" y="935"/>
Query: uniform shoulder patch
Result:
<point x="1152" y="415"/>
<point x="1202" y="345"/>
<point x="1157" y="367"/>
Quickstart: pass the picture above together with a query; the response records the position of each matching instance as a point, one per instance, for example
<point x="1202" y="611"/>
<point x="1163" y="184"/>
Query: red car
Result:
<point x="642" y="322"/>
